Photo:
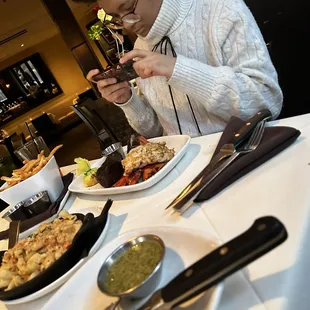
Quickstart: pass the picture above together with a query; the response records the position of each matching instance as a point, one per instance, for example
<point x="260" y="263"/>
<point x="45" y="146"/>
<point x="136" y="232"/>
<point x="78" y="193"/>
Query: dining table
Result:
<point x="280" y="187"/>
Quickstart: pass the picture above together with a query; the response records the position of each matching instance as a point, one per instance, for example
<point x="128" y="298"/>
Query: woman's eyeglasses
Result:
<point x="129" y="18"/>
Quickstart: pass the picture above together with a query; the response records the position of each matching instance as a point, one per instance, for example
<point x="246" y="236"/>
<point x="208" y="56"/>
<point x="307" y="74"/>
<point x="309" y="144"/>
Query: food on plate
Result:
<point x="150" y="170"/>
<point x="133" y="267"/>
<point x="146" y="154"/>
<point x="30" y="168"/>
<point x="143" y="161"/>
<point x="89" y="174"/>
<point x="111" y="170"/>
<point x="135" y="141"/>
<point x="31" y="256"/>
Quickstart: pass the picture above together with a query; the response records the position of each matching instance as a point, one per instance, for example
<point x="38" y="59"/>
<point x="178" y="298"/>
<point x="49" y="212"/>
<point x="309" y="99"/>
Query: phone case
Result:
<point x="122" y="72"/>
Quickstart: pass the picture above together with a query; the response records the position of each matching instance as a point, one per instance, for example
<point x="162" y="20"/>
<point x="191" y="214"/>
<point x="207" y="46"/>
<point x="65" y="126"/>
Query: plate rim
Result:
<point x="218" y="289"/>
<point x="140" y="186"/>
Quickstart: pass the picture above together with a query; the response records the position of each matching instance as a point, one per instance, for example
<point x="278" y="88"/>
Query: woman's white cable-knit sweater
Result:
<point x="222" y="65"/>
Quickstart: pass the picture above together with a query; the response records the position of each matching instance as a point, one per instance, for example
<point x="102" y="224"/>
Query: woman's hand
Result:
<point x="110" y="89"/>
<point x="148" y="64"/>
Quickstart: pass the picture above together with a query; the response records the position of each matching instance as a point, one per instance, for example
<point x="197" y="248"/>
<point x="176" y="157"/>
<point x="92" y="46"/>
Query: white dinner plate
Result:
<point x="60" y="281"/>
<point x="178" y="143"/>
<point x="183" y="248"/>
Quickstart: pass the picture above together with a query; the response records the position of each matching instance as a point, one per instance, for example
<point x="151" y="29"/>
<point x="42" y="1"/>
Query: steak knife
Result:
<point x="263" y="236"/>
<point x="240" y="136"/>
<point x="13" y="233"/>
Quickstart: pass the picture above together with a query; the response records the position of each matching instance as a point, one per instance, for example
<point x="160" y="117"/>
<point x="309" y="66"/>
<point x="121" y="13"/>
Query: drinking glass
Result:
<point x="31" y="149"/>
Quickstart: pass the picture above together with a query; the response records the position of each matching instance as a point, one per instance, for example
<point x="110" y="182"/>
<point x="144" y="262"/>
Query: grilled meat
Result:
<point x="147" y="154"/>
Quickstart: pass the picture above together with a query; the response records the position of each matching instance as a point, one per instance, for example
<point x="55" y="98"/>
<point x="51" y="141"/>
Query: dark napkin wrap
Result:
<point x="52" y="210"/>
<point x="275" y="140"/>
<point x="81" y="244"/>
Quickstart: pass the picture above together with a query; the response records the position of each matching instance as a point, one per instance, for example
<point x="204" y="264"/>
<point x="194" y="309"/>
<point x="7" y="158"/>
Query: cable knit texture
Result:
<point x="223" y="66"/>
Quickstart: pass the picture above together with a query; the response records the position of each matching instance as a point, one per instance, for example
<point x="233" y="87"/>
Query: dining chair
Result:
<point x="104" y="136"/>
<point x="46" y="128"/>
<point x="109" y="117"/>
<point x="12" y="142"/>
<point x="285" y="27"/>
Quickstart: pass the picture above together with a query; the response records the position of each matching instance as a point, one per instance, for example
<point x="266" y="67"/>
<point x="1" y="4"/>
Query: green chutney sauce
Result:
<point x="133" y="267"/>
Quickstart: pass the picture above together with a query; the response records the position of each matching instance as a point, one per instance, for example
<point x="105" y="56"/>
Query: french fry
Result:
<point x="42" y="161"/>
<point x="7" y="179"/>
<point x="31" y="164"/>
<point x="37" y="169"/>
<point x="54" y="150"/>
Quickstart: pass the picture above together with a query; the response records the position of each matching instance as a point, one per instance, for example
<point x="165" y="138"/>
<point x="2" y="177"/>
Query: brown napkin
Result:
<point x="52" y="210"/>
<point x="274" y="141"/>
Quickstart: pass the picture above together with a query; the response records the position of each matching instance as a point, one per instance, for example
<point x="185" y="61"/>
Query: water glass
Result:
<point x="31" y="149"/>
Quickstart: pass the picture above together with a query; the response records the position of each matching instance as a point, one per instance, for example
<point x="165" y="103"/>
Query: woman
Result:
<point x="200" y="62"/>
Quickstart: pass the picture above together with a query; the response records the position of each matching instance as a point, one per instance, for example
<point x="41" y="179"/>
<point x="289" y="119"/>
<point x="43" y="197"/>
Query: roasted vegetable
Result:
<point x="89" y="174"/>
<point x="121" y="182"/>
<point x="150" y="170"/>
<point x="89" y="178"/>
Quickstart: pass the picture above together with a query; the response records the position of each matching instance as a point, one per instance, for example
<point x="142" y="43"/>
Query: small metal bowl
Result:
<point x="145" y="288"/>
<point x="17" y="213"/>
<point x="115" y="147"/>
<point x="37" y="204"/>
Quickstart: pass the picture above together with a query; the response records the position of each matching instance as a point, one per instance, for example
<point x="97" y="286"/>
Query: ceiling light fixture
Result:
<point x="22" y="45"/>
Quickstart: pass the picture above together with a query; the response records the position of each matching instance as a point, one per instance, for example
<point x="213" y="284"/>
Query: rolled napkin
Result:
<point x="52" y="210"/>
<point x="275" y="140"/>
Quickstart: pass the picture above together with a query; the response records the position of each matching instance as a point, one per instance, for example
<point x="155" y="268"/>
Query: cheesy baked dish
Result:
<point x="31" y="256"/>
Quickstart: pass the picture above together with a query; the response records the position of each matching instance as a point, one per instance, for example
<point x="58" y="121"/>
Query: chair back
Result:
<point x="94" y="123"/>
<point x="46" y="128"/>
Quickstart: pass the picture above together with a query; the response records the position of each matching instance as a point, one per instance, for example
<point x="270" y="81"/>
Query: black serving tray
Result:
<point x="83" y="241"/>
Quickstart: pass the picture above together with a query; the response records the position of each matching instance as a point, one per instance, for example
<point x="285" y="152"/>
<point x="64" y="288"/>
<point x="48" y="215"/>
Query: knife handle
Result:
<point x="13" y="233"/>
<point x="245" y="131"/>
<point x="264" y="235"/>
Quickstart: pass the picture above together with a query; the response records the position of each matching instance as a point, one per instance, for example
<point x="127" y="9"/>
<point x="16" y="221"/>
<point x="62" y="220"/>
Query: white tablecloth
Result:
<point x="280" y="187"/>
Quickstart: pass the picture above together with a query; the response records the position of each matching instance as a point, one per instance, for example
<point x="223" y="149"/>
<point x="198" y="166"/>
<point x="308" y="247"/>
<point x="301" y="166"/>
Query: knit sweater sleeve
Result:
<point x="141" y="116"/>
<point x="245" y="81"/>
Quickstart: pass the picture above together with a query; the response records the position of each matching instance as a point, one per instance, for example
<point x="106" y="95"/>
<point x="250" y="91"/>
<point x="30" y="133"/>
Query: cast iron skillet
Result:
<point x="83" y="241"/>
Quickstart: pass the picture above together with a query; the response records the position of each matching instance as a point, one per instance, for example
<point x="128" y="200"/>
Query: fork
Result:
<point x="250" y="146"/>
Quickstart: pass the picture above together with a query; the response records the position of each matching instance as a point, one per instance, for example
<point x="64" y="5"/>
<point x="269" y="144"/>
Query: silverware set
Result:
<point x="246" y="140"/>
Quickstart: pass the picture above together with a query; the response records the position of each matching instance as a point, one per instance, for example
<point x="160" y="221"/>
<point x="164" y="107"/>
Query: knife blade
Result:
<point x="264" y="235"/>
<point x="241" y="135"/>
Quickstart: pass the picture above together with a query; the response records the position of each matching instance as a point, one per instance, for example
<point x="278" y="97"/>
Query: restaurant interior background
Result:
<point x="42" y="71"/>
<point x="45" y="53"/>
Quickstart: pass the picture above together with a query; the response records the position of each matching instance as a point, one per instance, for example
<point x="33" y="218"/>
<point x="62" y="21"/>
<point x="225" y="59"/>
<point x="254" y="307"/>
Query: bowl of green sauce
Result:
<point x="133" y="270"/>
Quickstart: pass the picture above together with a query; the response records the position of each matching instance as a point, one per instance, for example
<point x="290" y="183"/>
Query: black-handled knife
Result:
<point x="13" y="233"/>
<point x="263" y="236"/>
<point x="246" y="130"/>
<point x="190" y="191"/>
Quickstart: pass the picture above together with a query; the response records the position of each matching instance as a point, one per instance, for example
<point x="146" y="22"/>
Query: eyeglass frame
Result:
<point x="132" y="12"/>
<point x="121" y="19"/>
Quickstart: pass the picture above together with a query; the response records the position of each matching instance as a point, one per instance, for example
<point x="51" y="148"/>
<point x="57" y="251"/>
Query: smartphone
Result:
<point x="122" y="72"/>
